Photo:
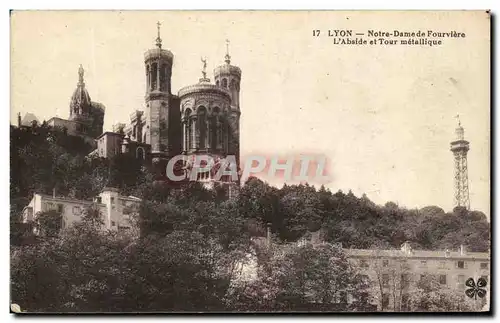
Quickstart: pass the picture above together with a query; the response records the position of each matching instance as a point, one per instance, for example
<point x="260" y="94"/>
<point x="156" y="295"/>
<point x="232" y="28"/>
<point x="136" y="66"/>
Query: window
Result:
<point x="60" y="208"/>
<point x="461" y="281"/>
<point x="423" y="263"/>
<point x="113" y="223"/>
<point x="112" y="200"/>
<point x="385" y="263"/>
<point x="461" y="264"/>
<point x="442" y="264"/>
<point x="442" y="279"/>
<point x="364" y="264"/>
<point x="385" y="280"/>
<point x="484" y="265"/>
<point x="139" y="153"/>
<point x="98" y="199"/>
<point x="77" y="210"/>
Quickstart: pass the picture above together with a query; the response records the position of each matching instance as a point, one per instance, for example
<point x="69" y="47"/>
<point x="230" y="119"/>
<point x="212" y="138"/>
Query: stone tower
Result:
<point x="158" y="64"/>
<point x="228" y="77"/>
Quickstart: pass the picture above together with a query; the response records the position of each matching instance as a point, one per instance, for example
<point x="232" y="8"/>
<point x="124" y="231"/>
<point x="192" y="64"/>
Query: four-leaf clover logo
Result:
<point x="476" y="289"/>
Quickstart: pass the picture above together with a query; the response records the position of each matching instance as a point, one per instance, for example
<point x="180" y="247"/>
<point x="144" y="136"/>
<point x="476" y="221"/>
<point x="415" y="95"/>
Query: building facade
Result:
<point x="114" y="208"/>
<point x="394" y="274"/>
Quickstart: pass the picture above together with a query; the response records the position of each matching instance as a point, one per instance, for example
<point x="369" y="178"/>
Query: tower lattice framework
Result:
<point x="460" y="147"/>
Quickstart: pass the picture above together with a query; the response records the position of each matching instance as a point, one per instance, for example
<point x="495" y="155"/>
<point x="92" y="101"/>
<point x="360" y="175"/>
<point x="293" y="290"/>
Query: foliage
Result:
<point x="192" y="241"/>
<point x="49" y="223"/>
<point x="431" y="296"/>
<point x="304" y="278"/>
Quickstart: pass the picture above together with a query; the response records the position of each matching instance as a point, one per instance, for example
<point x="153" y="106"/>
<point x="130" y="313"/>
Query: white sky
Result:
<point x="383" y="115"/>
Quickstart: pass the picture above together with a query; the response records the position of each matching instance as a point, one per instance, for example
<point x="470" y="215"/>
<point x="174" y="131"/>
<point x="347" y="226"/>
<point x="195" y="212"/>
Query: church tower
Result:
<point x="158" y="63"/>
<point x="80" y="100"/>
<point x="228" y="77"/>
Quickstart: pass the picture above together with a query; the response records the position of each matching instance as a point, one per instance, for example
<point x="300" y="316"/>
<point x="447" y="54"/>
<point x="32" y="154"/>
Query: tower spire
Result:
<point x="227" y="57"/>
<point x="158" y="39"/>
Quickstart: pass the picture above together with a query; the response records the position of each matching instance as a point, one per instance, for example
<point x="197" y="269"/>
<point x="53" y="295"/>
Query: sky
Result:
<point x="383" y="115"/>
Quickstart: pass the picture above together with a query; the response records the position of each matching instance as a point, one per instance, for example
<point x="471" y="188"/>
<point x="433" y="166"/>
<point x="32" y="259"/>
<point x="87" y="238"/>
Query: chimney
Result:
<point x="268" y="236"/>
<point x="19" y="119"/>
<point x="463" y="250"/>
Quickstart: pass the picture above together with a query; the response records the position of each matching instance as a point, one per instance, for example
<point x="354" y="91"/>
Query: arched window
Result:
<point x="213" y="127"/>
<point x="202" y="124"/>
<point x="163" y="77"/>
<point x="224" y="83"/>
<point x="148" y="79"/>
<point x="187" y="131"/>
<point x="233" y="88"/>
<point x="139" y="153"/>
<point x="154" y="74"/>
<point x="217" y="83"/>
<point x="144" y="138"/>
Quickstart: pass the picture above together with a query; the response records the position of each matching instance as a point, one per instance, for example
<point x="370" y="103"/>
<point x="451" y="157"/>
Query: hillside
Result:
<point x="43" y="159"/>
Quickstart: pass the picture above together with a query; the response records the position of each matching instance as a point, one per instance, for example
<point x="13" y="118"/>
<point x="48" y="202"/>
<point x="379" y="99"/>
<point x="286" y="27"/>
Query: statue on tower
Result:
<point x="80" y="74"/>
<point x="227" y="57"/>
<point x="204" y="78"/>
<point x="158" y="39"/>
<point x="204" y="70"/>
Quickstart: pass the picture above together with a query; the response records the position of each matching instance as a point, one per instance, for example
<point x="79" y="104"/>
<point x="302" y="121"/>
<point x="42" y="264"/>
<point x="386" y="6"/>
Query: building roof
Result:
<point x="204" y="87"/>
<point x="68" y="200"/>
<point x="415" y="254"/>
<point x="28" y="119"/>
<point x="110" y="133"/>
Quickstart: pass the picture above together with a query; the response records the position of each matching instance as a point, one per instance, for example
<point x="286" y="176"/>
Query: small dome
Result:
<point x="80" y="97"/>
<point x="157" y="53"/>
<point x="204" y="87"/>
<point x="227" y="69"/>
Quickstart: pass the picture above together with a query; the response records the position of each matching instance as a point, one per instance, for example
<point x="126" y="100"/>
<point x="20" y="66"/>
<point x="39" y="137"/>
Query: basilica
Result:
<point x="202" y="118"/>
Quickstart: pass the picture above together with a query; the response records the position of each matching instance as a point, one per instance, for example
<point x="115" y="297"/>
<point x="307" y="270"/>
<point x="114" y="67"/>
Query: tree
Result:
<point x="49" y="223"/>
<point x="392" y="283"/>
<point x="430" y="296"/>
<point x="306" y="278"/>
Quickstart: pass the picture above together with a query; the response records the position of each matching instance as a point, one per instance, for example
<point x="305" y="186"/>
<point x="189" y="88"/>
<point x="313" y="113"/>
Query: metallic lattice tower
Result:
<point x="460" y="147"/>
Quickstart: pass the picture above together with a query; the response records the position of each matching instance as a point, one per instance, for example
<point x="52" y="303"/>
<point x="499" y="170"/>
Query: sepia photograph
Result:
<point x="250" y="162"/>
